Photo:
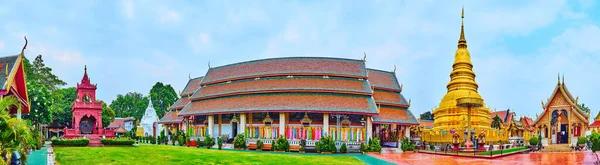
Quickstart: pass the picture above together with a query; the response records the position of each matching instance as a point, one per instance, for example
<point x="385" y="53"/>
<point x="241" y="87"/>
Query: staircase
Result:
<point x="557" y="148"/>
<point x="95" y="141"/>
<point x="390" y="150"/>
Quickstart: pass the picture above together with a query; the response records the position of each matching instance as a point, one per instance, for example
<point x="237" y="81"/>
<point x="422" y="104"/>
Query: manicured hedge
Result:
<point x="118" y="142"/>
<point x="71" y="142"/>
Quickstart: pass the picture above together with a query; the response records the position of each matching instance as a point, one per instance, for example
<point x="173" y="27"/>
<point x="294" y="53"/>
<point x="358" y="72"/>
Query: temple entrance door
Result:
<point x="234" y="129"/>
<point x="86" y="125"/>
<point x="563" y="134"/>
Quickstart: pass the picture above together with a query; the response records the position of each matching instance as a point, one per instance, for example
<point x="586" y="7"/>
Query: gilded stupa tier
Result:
<point x="462" y="84"/>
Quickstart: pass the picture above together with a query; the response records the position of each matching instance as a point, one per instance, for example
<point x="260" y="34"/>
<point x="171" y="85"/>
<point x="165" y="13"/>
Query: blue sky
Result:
<point x="517" y="47"/>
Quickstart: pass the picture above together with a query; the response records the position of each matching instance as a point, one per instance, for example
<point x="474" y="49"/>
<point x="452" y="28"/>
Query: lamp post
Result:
<point x="469" y="102"/>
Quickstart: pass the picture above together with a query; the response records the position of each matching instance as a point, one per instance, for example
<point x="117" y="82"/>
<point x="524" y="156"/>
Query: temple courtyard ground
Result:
<point x="562" y="158"/>
<point x="160" y="154"/>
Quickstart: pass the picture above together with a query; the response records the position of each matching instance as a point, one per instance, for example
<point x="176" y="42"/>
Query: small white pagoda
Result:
<point x="150" y="122"/>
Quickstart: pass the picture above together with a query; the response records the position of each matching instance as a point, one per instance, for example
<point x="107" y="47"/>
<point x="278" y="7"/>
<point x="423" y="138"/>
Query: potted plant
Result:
<point x="344" y="148"/>
<point x="364" y="148"/>
<point x="374" y="145"/>
<point x="187" y="141"/>
<point x="239" y="142"/>
<point x="327" y="145"/>
<point x="259" y="145"/>
<point x="173" y="140"/>
<point x="302" y="145"/>
<point x="220" y="143"/>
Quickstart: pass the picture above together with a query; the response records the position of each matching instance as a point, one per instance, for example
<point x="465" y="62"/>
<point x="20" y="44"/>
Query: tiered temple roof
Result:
<point x="393" y="106"/>
<point x="298" y="84"/>
<point x="171" y="117"/>
<point x="13" y="80"/>
<point x="562" y="96"/>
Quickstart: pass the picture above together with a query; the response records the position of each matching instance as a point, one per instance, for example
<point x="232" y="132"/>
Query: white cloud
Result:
<point x="200" y="43"/>
<point x="128" y="9"/>
<point x="166" y="15"/>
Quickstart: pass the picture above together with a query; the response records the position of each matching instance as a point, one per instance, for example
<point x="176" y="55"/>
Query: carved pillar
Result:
<point x="281" y="123"/>
<point x="242" y="125"/>
<point x="326" y="123"/>
<point x="369" y="127"/>
<point x="211" y="123"/>
<point x="220" y="120"/>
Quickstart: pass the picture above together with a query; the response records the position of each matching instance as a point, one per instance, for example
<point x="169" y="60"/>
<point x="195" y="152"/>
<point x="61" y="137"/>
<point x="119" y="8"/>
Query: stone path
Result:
<point x="39" y="156"/>
<point x="563" y="158"/>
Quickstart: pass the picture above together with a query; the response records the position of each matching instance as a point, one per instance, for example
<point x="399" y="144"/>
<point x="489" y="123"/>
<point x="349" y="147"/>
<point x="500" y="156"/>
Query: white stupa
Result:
<point x="148" y="121"/>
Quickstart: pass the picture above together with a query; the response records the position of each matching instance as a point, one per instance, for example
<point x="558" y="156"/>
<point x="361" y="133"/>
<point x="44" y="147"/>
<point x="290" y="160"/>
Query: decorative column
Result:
<point x="326" y="123"/>
<point x="220" y="120"/>
<point x="281" y="123"/>
<point x="407" y="132"/>
<point x="211" y="123"/>
<point x="242" y="125"/>
<point x="369" y="128"/>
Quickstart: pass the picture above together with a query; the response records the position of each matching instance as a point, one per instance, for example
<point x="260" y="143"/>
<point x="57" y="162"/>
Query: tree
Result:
<point x="497" y="122"/>
<point x="131" y="104"/>
<point x="41" y="100"/>
<point x="162" y="97"/>
<point x="584" y="108"/>
<point x="63" y="102"/>
<point x="16" y="134"/>
<point x="40" y="73"/>
<point x="427" y="116"/>
<point x="108" y="115"/>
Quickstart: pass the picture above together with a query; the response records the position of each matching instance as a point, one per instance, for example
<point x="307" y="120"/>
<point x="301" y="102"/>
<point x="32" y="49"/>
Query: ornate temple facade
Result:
<point x="448" y="117"/>
<point x="294" y="97"/>
<point x="561" y="121"/>
<point x="13" y="82"/>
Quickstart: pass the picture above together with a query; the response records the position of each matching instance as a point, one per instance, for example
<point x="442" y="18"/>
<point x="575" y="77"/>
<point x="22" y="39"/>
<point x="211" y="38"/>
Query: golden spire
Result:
<point x="462" y="42"/>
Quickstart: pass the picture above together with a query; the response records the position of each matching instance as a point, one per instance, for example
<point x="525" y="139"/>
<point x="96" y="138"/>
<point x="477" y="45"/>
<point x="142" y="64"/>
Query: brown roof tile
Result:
<point x="295" y="84"/>
<point x="383" y="79"/>
<point x="284" y="102"/>
<point x="318" y="66"/>
<point x="171" y="118"/>
<point x="389" y="114"/>
<point x="388" y="97"/>
<point x="191" y="87"/>
<point x="179" y="104"/>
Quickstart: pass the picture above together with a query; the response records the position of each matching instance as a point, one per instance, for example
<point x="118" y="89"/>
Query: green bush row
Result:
<point x="118" y="141"/>
<point x="71" y="142"/>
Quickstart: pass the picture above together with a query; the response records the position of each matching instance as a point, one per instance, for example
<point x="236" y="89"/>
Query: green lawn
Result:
<point x="503" y="151"/>
<point x="163" y="155"/>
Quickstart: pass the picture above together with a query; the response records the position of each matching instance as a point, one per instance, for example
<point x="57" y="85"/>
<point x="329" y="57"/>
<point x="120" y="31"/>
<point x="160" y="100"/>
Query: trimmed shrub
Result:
<point x="181" y="140"/>
<point x="259" y="144"/>
<point x="407" y="145"/>
<point x="533" y="141"/>
<point x="208" y="142"/>
<point x="581" y="140"/>
<point x="374" y="145"/>
<point x="595" y="139"/>
<point x="71" y="142"/>
<point x="219" y="142"/>
<point x="118" y="141"/>
<point x="318" y="146"/>
<point x="343" y="148"/>
<point x="327" y="144"/>
<point x="239" y="141"/>
<point x="364" y="147"/>
<point x="281" y="144"/>
<point x="302" y="145"/>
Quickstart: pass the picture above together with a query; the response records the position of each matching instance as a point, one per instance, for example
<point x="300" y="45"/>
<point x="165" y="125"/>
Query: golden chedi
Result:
<point x="462" y="83"/>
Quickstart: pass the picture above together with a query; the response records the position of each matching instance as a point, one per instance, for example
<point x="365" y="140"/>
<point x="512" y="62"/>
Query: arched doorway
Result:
<point x="87" y="125"/>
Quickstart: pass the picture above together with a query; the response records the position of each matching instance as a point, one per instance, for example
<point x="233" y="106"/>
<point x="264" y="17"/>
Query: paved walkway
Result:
<point x="39" y="156"/>
<point x="563" y="158"/>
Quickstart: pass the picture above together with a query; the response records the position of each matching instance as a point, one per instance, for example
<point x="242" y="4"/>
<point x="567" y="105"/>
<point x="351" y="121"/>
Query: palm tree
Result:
<point x="497" y="122"/>
<point x="15" y="134"/>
